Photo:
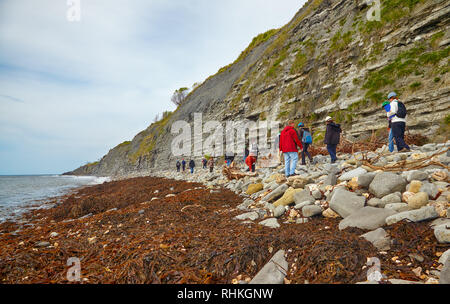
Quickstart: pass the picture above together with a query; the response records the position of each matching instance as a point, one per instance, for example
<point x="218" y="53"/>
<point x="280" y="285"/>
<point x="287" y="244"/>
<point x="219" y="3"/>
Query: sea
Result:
<point x="22" y="193"/>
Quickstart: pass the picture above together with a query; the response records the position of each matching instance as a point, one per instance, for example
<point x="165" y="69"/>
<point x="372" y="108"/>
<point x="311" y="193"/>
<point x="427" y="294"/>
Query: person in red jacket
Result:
<point x="288" y="145"/>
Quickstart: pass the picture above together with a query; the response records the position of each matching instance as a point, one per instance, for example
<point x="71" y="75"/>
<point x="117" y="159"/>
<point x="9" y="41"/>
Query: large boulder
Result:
<point x="287" y="198"/>
<point x="365" y="179"/>
<point x="273" y="272"/>
<point x="369" y="218"/>
<point x="379" y="238"/>
<point x="345" y="202"/>
<point x="422" y="214"/>
<point x="279" y="191"/>
<point x="385" y="183"/>
<point x="303" y="196"/>
<point x="353" y="173"/>
<point x="311" y="210"/>
<point x="331" y="180"/>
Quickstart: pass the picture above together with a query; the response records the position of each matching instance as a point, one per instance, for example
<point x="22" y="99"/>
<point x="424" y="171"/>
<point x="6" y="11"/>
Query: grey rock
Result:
<point x="386" y="183"/>
<point x="444" y="277"/>
<point x="273" y="272"/>
<point x="317" y="194"/>
<point x="444" y="257"/>
<point x="331" y="180"/>
<point x="301" y="205"/>
<point x="415" y="175"/>
<point x="398" y="207"/>
<point x="311" y="210"/>
<point x="431" y="189"/>
<point x="270" y="222"/>
<point x="364" y="180"/>
<point x="303" y="196"/>
<point x="54" y="234"/>
<point x="366" y="218"/>
<point x="279" y="211"/>
<point x="379" y="238"/>
<point x="442" y="233"/>
<point x="279" y="191"/>
<point x="345" y="202"/>
<point x="392" y="198"/>
<point x="422" y="214"/>
<point x="248" y="216"/>
<point x="376" y="202"/>
<point x="353" y="173"/>
<point x="244" y="206"/>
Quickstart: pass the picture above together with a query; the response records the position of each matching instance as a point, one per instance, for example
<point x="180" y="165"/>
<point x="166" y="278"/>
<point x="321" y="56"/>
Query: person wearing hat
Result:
<point x="332" y="137"/>
<point x="387" y="107"/>
<point x="397" y="115"/>
<point x="305" y="136"/>
<point x="288" y="145"/>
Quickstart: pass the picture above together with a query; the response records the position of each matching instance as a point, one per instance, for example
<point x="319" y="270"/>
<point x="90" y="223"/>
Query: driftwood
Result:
<point x="236" y="173"/>
<point x="405" y="165"/>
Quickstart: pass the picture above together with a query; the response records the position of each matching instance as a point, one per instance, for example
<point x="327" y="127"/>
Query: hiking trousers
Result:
<point x="332" y="151"/>
<point x="398" y="130"/>
<point x="305" y="152"/>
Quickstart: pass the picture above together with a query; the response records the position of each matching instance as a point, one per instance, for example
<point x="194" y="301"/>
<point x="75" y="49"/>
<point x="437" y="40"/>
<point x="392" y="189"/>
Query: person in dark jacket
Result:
<point x="192" y="165"/>
<point x="301" y="132"/>
<point x="183" y="164"/>
<point x="288" y="145"/>
<point x="332" y="137"/>
<point x="204" y="161"/>
<point x="178" y="166"/>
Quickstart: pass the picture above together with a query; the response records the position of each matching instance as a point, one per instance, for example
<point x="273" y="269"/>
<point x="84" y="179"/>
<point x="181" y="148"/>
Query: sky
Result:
<point x="72" y="90"/>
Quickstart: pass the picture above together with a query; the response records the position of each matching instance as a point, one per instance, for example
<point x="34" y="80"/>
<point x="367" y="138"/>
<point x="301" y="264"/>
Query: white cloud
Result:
<point x="80" y="88"/>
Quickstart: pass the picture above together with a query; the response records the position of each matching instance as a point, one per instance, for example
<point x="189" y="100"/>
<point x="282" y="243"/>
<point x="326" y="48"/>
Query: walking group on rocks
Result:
<point x="365" y="190"/>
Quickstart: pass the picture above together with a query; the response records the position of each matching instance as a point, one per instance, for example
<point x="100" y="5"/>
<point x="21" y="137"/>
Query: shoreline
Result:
<point x="202" y="228"/>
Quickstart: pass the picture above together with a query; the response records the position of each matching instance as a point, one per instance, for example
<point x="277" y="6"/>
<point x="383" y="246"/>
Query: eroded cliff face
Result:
<point x="328" y="60"/>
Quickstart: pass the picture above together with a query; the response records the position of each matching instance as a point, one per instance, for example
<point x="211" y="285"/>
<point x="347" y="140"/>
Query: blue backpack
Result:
<point x="307" y="138"/>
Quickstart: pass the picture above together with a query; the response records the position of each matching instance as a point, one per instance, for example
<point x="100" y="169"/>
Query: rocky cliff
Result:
<point x="328" y="60"/>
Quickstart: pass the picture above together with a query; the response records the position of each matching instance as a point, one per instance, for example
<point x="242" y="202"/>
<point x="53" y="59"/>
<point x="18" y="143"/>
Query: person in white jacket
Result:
<point x="398" y="124"/>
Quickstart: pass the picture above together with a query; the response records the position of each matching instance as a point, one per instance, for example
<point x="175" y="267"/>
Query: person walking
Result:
<point x="252" y="156"/>
<point x="397" y="113"/>
<point x="211" y="164"/>
<point x="306" y="137"/>
<point x="387" y="107"/>
<point x="192" y="165"/>
<point x="332" y="137"/>
<point x="183" y="164"/>
<point x="204" y="161"/>
<point x="289" y="144"/>
<point x="178" y="165"/>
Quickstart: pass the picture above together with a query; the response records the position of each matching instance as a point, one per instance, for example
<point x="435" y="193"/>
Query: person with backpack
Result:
<point x="332" y="137"/>
<point x="192" y="165"/>
<point x="387" y="107"/>
<point x="397" y="114"/>
<point x="178" y="165"/>
<point x="288" y="145"/>
<point x="183" y="164"/>
<point x="306" y="137"/>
